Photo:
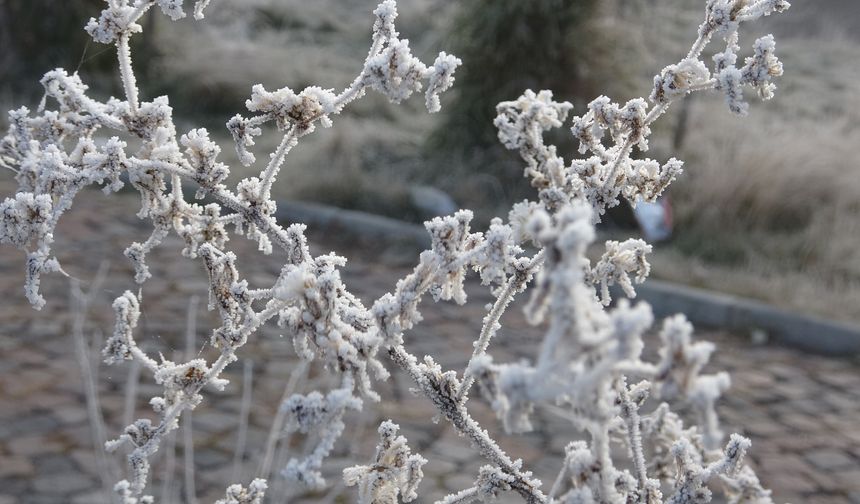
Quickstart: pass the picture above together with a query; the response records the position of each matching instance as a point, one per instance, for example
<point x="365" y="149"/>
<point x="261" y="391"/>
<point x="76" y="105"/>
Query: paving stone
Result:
<point x="96" y="497"/>
<point x="827" y="498"/>
<point x="801" y="422"/>
<point x="63" y="484"/>
<point x="215" y="421"/>
<point x="829" y="460"/>
<point x="795" y="407"/>
<point x="54" y="463"/>
<point x="787" y="482"/>
<point x="16" y="466"/>
<point x="31" y="445"/>
<point x="209" y="458"/>
<point x="36" y="423"/>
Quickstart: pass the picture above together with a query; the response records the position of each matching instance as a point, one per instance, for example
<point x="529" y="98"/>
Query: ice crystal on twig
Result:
<point x="394" y="474"/>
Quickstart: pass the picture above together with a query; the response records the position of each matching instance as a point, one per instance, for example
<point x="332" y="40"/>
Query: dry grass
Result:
<point x="768" y="207"/>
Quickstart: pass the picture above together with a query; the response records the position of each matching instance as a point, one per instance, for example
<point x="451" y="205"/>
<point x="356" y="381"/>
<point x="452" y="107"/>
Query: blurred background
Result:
<point x="767" y="206"/>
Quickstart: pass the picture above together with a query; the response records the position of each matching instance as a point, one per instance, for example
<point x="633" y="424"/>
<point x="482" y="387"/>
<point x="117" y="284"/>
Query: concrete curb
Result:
<point x="702" y="308"/>
<point x="350" y="222"/>
<point x="713" y="309"/>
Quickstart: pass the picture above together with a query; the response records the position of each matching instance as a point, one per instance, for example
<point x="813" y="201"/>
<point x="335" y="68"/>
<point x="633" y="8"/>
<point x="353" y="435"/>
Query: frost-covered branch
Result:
<point x="589" y="352"/>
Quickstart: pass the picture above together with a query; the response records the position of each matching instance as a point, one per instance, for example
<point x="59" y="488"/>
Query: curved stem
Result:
<point x="129" y="83"/>
<point x="514" y="284"/>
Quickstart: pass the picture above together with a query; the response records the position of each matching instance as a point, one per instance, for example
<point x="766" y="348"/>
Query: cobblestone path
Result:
<point x="801" y="411"/>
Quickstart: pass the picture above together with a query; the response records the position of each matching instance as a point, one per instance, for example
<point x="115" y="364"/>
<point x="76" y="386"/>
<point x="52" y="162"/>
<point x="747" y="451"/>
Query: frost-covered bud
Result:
<point x="149" y="119"/>
<point x="629" y="323"/>
<point x="137" y="434"/>
<point x="440" y="78"/>
<point x="394" y="474"/>
<point x="746" y="487"/>
<point x="68" y="90"/>
<point x="206" y="226"/>
<point x="507" y="387"/>
<point x="575" y="230"/>
<point x="391" y="319"/>
<point x="676" y="80"/>
<point x="386" y="13"/>
<point x="761" y="8"/>
<point x="690" y="485"/>
<point x="287" y="107"/>
<point x="681" y="359"/>
<point x="172" y="8"/>
<point x="294" y="282"/>
<point x="647" y="180"/>
<point x="107" y="163"/>
<point x="491" y="481"/>
<point x="618" y="261"/>
<point x="519" y="217"/>
<point x="723" y="16"/>
<point x="127" y="496"/>
<point x="730" y="80"/>
<point x="113" y="23"/>
<point x="498" y="253"/>
<point x="584" y="131"/>
<point x="237" y="494"/>
<point x="449" y="238"/>
<point x="604" y="111"/>
<point x="38" y="262"/>
<point x="632" y="120"/>
<point x="521" y="122"/>
<point x="579" y="459"/>
<point x="202" y="152"/>
<point x="514" y="403"/>
<point x="733" y="455"/>
<point x="127" y="312"/>
<point x="199" y="7"/>
<point x="762" y="67"/>
<point x="243" y="135"/>
<point x="25" y="219"/>
<point x="15" y="146"/>
<point x="317" y="413"/>
<point x="182" y="382"/>
<point x="136" y="253"/>
<point x="395" y="72"/>
<point x="250" y="191"/>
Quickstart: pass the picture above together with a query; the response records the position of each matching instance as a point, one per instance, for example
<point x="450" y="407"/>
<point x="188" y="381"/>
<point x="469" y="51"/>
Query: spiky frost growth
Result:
<point x="237" y="494"/>
<point x="587" y="359"/>
<point x="394" y="474"/>
<point x="315" y="413"/>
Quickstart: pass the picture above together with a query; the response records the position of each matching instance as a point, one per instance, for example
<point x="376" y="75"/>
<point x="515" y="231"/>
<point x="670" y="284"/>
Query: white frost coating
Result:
<point x="587" y="360"/>
<point x="440" y="78"/>
<point x="315" y="413"/>
<point x="394" y="474"/>
<point x="237" y="494"/>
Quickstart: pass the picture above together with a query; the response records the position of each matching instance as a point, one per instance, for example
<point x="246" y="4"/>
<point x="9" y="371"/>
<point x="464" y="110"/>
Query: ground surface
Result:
<point x="799" y="410"/>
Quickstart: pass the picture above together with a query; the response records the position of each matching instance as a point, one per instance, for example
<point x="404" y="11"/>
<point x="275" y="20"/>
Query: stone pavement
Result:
<point x="801" y="411"/>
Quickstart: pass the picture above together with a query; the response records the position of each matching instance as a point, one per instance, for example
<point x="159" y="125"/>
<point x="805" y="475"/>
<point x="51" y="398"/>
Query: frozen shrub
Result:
<point x="590" y="360"/>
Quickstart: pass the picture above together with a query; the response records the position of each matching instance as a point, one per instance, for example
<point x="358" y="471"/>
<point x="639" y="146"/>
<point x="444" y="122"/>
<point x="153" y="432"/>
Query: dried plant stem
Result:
<point x="80" y="303"/>
<point x="244" y="413"/>
<point x="187" y="422"/>
<point x="489" y="328"/>
<point x="297" y="375"/>
<point x="131" y="390"/>
<point x="129" y="82"/>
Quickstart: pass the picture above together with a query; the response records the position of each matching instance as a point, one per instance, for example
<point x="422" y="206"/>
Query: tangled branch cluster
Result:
<point x="590" y="360"/>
